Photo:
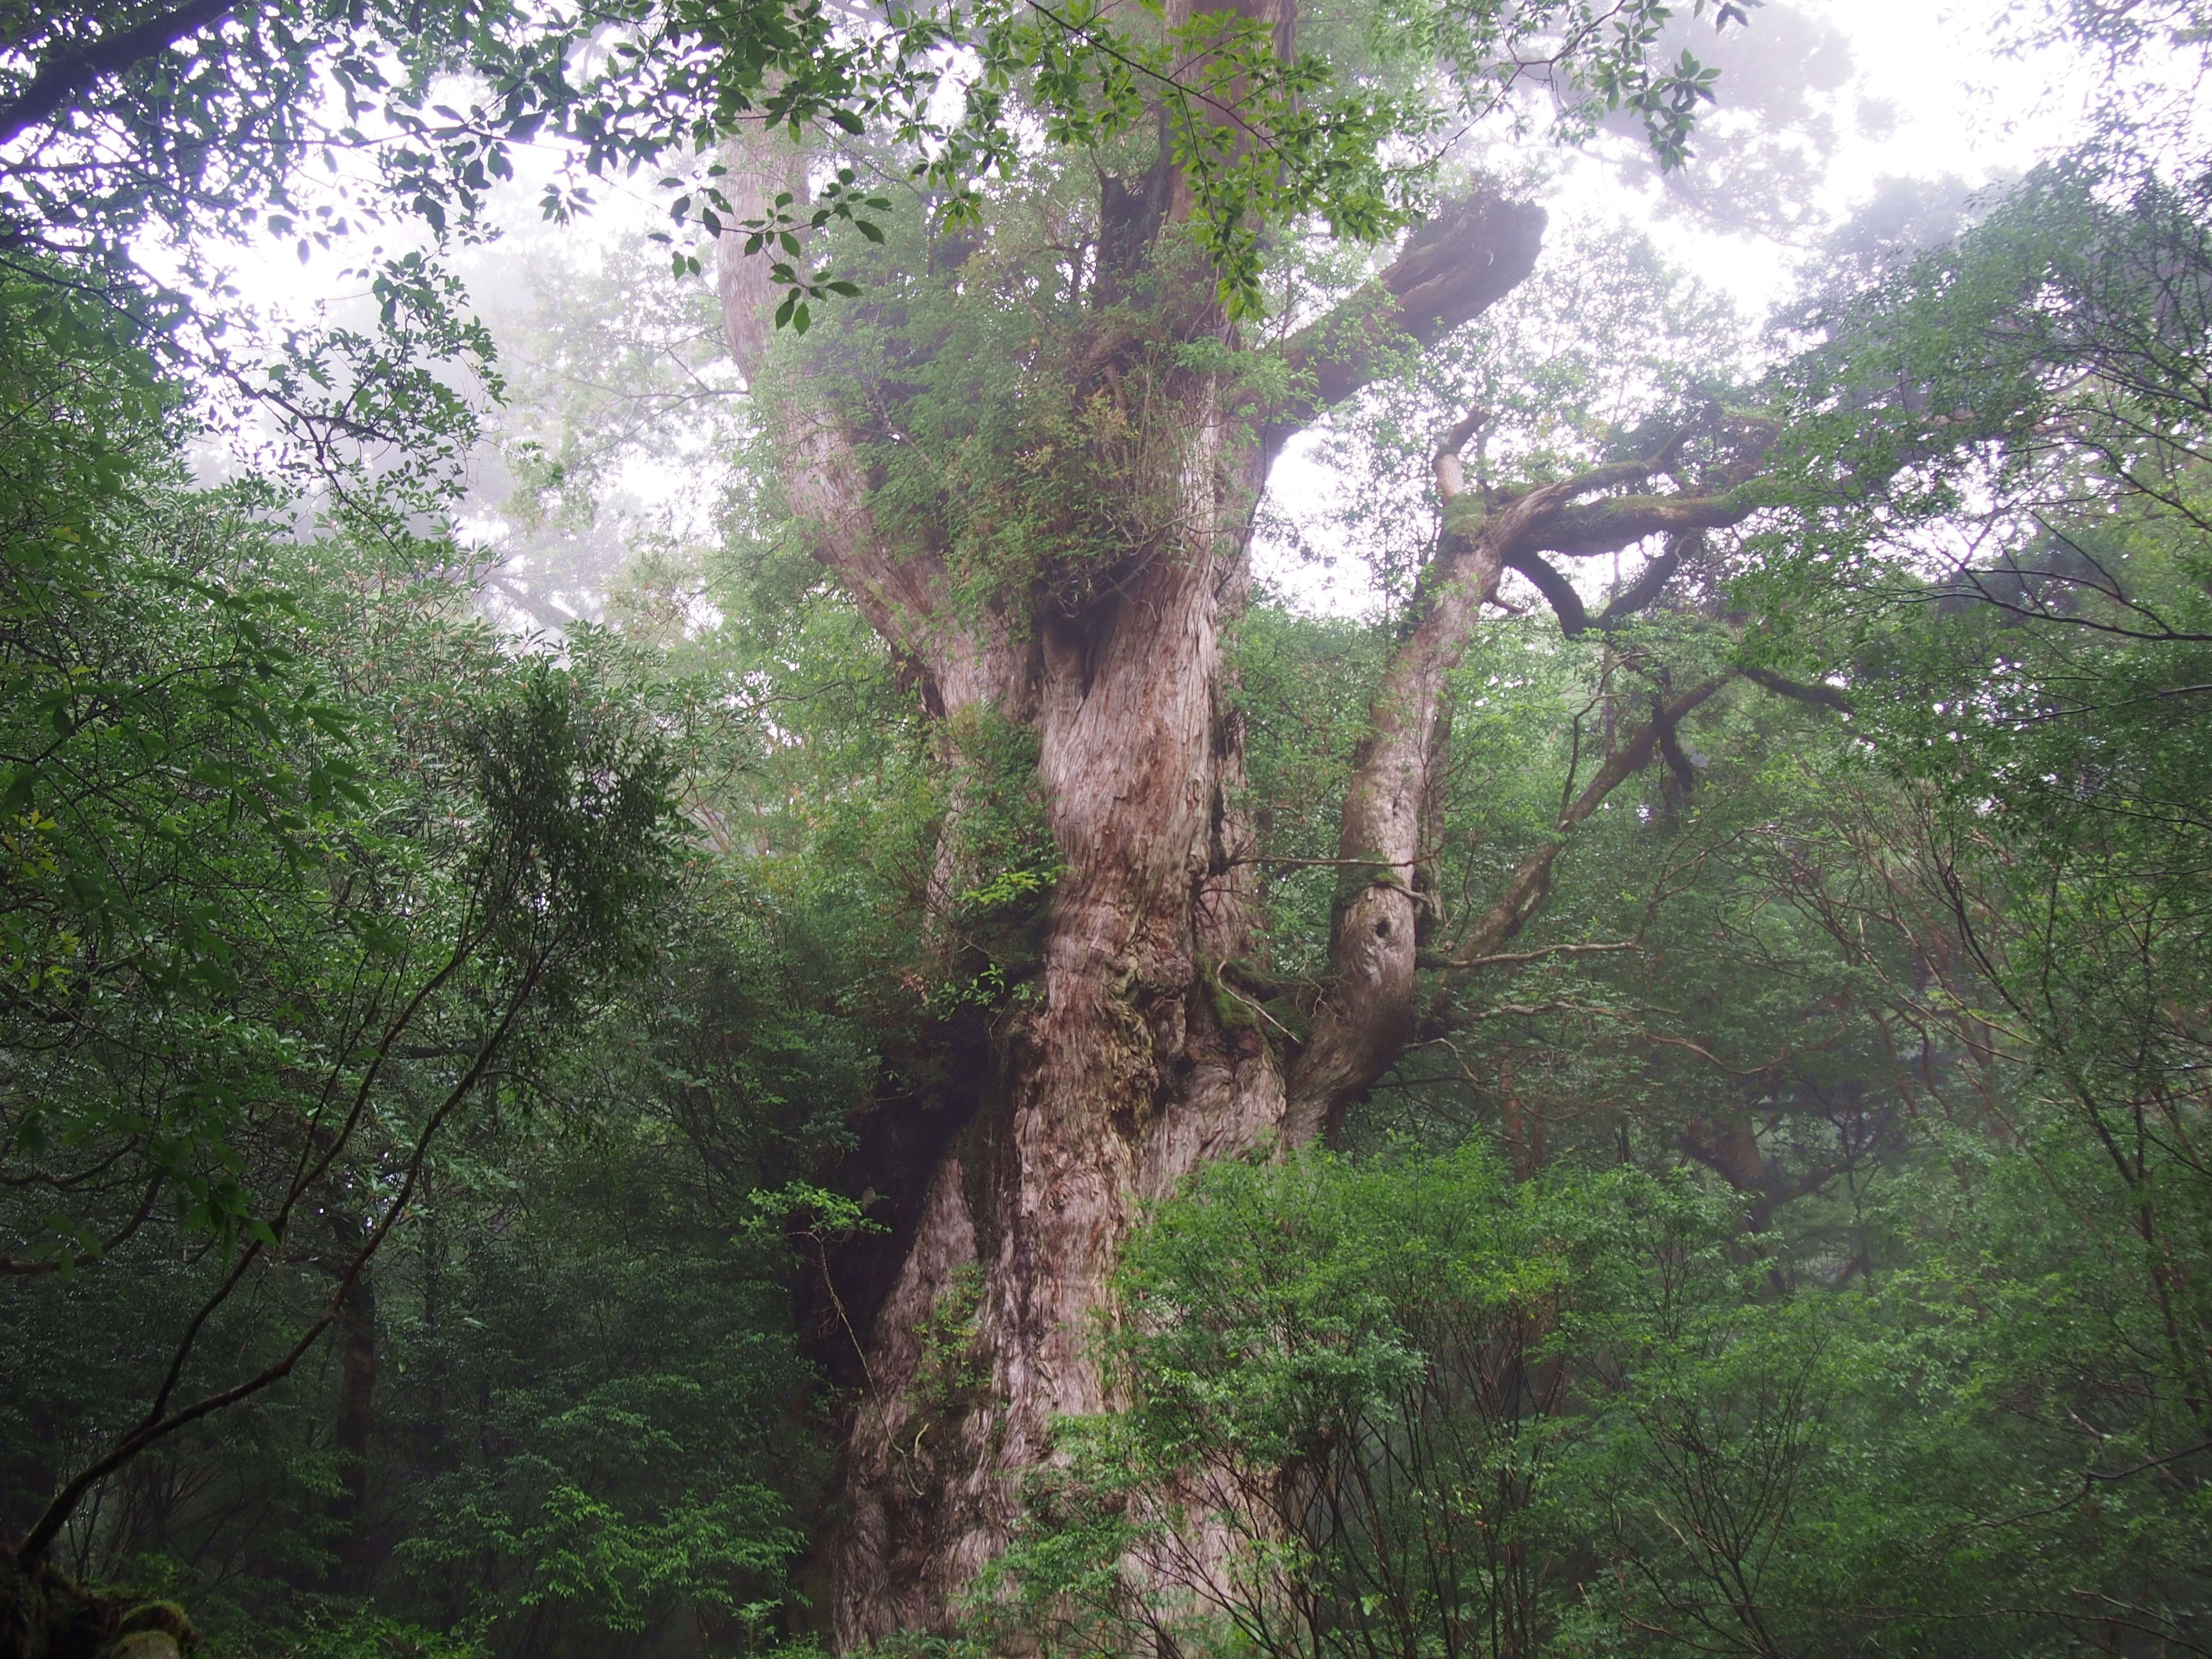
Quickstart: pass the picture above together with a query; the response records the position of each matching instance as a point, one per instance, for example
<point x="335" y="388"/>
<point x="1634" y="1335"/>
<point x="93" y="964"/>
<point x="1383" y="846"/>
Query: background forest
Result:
<point x="500" y="926"/>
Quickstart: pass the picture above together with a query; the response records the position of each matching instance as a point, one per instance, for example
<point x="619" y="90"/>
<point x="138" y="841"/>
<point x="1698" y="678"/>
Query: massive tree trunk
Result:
<point x="1134" y="1059"/>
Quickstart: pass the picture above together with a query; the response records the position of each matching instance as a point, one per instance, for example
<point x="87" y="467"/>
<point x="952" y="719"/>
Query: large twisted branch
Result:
<point x="1367" y="1014"/>
<point x="1471" y="254"/>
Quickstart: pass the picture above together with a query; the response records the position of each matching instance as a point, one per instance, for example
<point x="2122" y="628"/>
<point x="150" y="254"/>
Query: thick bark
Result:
<point x="1124" y="1075"/>
<point x="1133" y="1063"/>
<point x="1121" y="1081"/>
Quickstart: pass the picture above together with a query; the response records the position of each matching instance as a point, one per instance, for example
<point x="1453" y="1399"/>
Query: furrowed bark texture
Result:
<point x="1133" y="1063"/>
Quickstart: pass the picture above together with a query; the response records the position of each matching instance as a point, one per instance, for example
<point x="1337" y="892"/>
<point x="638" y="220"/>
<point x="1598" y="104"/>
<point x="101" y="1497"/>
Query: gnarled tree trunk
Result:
<point x="1132" y="1064"/>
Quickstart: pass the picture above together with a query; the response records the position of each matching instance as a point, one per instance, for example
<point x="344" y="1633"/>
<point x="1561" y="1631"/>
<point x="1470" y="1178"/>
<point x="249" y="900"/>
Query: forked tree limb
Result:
<point x="1364" y="1023"/>
<point x="1650" y="581"/>
<point x="1366" y="1014"/>
<point x="1470" y="254"/>
<point x="1525" y="891"/>
<point x="1526" y="888"/>
<point x="311" y="1171"/>
<point x="1632" y="600"/>
<point x="1558" y="592"/>
<point x="162" y="1421"/>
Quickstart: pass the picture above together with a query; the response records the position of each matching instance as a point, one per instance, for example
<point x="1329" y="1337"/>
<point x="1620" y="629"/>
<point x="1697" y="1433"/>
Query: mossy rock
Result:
<point x="154" y="1630"/>
<point x="46" y="1615"/>
<point x="144" y="1644"/>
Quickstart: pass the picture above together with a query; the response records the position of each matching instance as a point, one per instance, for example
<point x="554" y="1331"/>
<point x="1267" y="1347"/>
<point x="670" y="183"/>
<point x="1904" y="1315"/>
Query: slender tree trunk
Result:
<point x="353" y="1564"/>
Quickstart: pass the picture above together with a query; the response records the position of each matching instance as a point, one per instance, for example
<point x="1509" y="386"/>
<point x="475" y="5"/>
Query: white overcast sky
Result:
<point x="1957" y="108"/>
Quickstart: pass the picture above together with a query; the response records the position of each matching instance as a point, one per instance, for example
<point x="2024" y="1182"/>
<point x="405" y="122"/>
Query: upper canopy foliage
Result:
<point x="203" y="122"/>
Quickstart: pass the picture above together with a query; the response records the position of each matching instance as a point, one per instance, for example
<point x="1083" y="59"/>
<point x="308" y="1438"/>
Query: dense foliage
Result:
<point x="1835" y="1285"/>
<point x="445" y="1073"/>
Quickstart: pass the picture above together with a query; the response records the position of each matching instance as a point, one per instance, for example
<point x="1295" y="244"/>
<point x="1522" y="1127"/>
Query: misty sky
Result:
<point x="1857" y="90"/>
